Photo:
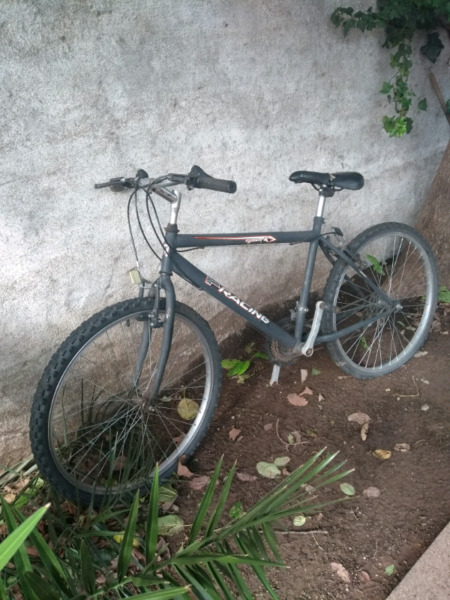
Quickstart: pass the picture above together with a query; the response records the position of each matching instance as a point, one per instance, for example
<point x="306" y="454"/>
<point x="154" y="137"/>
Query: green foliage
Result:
<point x="82" y="561"/>
<point x="18" y="535"/>
<point x="239" y="368"/>
<point x="400" y="20"/>
<point x="376" y="265"/>
<point x="444" y="295"/>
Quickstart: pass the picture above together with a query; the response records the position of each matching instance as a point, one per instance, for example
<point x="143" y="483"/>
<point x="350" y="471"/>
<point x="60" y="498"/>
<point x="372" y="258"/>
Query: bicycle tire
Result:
<point x="400" y="261"/>
<point x="95" y="435"/>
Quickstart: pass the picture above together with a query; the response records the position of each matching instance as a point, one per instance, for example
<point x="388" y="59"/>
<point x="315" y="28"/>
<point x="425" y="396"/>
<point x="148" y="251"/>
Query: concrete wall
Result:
<point x="250" y="90"/>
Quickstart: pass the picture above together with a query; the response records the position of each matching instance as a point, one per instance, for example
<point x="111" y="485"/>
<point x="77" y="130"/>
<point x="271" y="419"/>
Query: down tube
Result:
<point x="187" y="270"/>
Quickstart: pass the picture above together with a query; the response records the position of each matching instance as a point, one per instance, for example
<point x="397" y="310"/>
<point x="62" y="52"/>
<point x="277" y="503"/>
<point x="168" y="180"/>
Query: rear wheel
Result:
<point x="96" y="431"/>
<point x="400" y="262"/>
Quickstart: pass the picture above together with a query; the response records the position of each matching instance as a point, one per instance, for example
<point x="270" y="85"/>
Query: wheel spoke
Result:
<point x="401" y="264"/>
<point x="105" y="432"/>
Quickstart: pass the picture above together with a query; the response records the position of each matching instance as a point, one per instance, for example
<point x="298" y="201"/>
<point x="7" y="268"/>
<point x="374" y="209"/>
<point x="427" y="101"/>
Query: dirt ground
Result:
<point x="371" y="542"/>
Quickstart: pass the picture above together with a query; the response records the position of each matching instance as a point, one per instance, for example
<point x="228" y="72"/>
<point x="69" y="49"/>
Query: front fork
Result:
<point x="164" y="282"/>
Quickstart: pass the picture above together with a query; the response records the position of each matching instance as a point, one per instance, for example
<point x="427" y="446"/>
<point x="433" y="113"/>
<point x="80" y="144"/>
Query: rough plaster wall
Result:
<point x="248" y="90"/>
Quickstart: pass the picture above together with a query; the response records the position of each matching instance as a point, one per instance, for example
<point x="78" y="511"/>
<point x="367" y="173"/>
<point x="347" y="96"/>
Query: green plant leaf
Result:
<point x="347" y="489"/>
<point x="229" y="363"/>
<point x="299" y="520"/>
<point x="167" y="594"/>
<point x="202" y="586"/>
<point x="222" y="584"/>
<point x="433" y="47"/>
<point x="390" y="570"/>
<point x="16" y="538"/>
<point x="268" y="470"/>
<point x="386" y="88"/>
<point x="87" y="568"/>
<point x="41" y="588"/>
<point x="151" y="529"/>
<point x="282" y="461"/>
<point x="216" y="515"/>
<point x="51" y="563"/>
<point x="376" y="265"/>
<point x="422" y="105"/>
<point x="205" y="503"/>
<point x="240" y="367"/>
<point x="126" y="546"/>
<point x="20" y="558"/>
<point x="444" y="295"/>
<point x="170" y="525"/>
<point x="363" y="343"/>
<point x="260" y="355"/>
<point x="237" y="510"/>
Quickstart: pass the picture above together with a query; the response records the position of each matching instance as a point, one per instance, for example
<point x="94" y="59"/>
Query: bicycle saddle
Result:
<point x="348" y="180"/>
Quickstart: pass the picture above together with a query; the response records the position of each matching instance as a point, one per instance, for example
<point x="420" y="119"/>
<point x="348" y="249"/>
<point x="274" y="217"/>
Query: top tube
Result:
<point x="204" y="240"/>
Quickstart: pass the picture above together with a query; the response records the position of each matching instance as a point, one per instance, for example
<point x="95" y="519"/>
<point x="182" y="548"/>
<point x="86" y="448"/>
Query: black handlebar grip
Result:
<point x="217" y="185"/>
<point x="199" y="179"/>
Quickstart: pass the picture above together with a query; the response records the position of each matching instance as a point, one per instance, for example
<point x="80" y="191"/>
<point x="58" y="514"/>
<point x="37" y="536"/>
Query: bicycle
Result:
<point x="137" y="384"/>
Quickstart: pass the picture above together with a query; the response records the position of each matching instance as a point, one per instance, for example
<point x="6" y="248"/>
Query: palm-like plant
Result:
<point x="206" y="567"/>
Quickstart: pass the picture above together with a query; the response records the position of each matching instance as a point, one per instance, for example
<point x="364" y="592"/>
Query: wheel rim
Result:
<point x="105" y="436"/>
<point x="401" y="267"/>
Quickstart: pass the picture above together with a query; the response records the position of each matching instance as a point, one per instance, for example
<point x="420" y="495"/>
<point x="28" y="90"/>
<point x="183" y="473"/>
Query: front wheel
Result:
<point x="400" y="262"/>
<point x="97" y="428"/>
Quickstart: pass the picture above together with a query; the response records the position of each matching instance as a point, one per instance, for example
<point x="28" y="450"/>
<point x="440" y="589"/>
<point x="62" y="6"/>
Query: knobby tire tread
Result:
<point x="56" y="369"/>
<point x="336" y="352"/>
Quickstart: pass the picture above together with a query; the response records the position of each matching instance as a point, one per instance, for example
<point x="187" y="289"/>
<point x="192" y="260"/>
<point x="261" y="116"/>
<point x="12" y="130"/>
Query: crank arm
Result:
<point x="308" y="347"/>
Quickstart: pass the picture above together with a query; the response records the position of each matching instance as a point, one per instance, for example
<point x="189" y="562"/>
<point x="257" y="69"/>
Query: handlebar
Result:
<point x="196" y="178"/>
<point x="199" y="179"/>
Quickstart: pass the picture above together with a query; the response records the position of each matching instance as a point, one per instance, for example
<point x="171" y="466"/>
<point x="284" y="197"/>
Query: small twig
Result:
<point x="376" y="549"/>
<point x="308" y="532"/>
<point x="437" y="91"/>
<point x="23" y="469"/>
<point x="287" y="444"/>
<point x="416" y="395"/>
<point x="317" y="543"/>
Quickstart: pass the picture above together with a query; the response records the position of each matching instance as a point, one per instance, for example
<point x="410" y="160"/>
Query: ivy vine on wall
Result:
<point x="401" y="20"/>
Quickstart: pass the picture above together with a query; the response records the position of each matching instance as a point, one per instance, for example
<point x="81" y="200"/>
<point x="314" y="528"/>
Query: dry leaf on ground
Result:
<point x="364" y="430"/>
<point x="371" y="492"/>
<point x="182" y="470"/>
<point x="234" y="433"/>
<point x="359" y="417"/>
<point x="297" y="400"/>
<point x="402" y="447"/>
<point x="188" y="409"/>
<point x="382" y="454"/>
<point x="341" y="572"/>
<point x="198" y="483"/>
<point x="245" y="477"/>
<point x="269" y="470"/>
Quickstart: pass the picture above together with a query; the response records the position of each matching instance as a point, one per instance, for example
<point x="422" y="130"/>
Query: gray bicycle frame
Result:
<point x="173" y="262"/>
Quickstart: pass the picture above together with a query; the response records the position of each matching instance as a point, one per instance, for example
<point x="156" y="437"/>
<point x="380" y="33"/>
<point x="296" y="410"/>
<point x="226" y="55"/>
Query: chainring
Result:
<point x="279" y="354"/>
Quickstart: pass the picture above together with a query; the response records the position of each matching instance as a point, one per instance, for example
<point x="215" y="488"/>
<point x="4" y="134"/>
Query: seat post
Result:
<point x="324" y="192"/>
<point x="320" y="205"/>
